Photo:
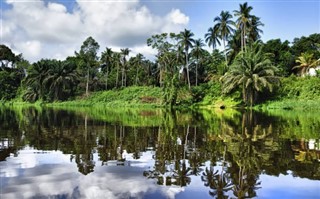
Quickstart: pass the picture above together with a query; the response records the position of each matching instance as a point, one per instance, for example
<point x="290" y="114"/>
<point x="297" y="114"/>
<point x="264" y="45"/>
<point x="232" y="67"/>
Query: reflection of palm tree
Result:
<point x="247" y="184"/>
<point x="219" y="183"/>
<point x="195" y="163"/>
<point x="246" y="170"/>
<point x="181" y="175"/>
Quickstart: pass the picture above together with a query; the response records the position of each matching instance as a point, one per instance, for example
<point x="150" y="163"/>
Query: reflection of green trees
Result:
<point x="218" y="183"/>
<point x="243" y="145"/>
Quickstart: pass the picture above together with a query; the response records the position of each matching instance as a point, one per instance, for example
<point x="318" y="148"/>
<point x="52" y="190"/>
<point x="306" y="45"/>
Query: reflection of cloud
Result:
<point x="277" y="187"/>
<point x="52" y="174"/>
<point x="29" y="158"/>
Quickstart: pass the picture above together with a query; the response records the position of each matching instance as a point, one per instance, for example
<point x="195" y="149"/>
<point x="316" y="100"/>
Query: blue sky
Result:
<point x="55" y="29"/>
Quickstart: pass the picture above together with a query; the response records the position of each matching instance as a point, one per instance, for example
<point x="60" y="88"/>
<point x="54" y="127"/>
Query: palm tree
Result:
<point x="186" y="41"/>
<point x="124" y="53"/>
<point x="224" y="28"/>
<point x="36" y="75"/>
<point x="211" y="37"/>
<point x="252" y="71"/>
<point x="116" y="59"/>
<point x="306" y="61"/>
<point x="243" y="21"/>
<point x="61" y="79"/>
<point x="197" y="52"/>
<point x="106" y="59"/>
<point x="138" y="62"/>
<point x="254" y="31"/>
<point x="234" y="45"/>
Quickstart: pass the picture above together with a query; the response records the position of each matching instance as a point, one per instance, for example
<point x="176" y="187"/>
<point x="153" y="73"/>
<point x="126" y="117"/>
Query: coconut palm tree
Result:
<point x="138" y="64"/>
<point x="116" y="59"/>
<point x="234" y="45"/>
<point x="187" y="42"/>
<point x="197" y="52"/>
<point x="254" y="31"/>
<point x="106" y="58"/>
<point x="224" y="28"/>
<point x="252" y="71"/>
<point x="306" y="61"/>
<point x="211" y="37"/>
<point x="124" y="54"/>
<point x="243" y="21"/>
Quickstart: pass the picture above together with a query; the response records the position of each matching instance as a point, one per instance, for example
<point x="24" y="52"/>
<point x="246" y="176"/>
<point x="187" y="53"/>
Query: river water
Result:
<point x="157" y="153"/>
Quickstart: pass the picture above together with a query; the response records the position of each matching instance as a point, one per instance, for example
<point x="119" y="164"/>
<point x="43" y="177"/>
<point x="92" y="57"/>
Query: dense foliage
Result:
<point x="181" y="64"/>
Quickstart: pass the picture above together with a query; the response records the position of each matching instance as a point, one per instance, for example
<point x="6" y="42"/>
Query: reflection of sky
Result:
<point x="42" y="174"/>
<point x="50" y="174"/>
<point x="288" y="187"/>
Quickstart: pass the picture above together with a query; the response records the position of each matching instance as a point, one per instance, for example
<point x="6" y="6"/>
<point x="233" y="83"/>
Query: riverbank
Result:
<point x="295" y="93"/>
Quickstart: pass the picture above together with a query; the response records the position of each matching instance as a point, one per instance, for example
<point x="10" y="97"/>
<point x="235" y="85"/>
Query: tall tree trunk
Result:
<point x="251" y="97"/>
<point x="197" y="72"/>
<point x="107" y="79"/>
<point x="244" y="37"/>
<point x="137" y="76"/>
<point x="122" y="76"/>
<point x="244" y="93"/>
<point x="117" y="80"/>
<point x="187" y="67"/>
<point x="241" y="38"/>
<point x="225" y="52"/>
<point x="125" y="78"/>
<point x="87" y="85"/>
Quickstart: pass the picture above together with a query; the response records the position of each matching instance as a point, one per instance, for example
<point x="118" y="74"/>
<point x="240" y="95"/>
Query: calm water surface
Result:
<point x="132" y="153"/>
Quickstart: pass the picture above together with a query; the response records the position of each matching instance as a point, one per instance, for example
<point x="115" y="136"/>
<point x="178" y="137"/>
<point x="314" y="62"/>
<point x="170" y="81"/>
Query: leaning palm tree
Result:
<point x="243" y="21"/>
<point x="306" y="61"/>
<point x="197" y="52"/>
<point x="211" y="37"/>
<point x="252" y="71"/>
<point x="224" y="28"/>
<point x="186" y="41"/>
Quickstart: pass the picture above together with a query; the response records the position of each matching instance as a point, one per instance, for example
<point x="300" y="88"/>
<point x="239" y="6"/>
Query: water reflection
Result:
<point x="160" y="154"/>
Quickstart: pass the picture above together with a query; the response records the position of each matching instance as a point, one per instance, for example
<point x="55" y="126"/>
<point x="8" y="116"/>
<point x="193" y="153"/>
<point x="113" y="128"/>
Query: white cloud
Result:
<point x="48" y="30"/>
<point x="29" y="48"/>
<point x="178" y="17"/>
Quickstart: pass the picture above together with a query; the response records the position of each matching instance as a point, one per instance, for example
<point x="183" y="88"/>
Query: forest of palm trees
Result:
<point x="246" y="64"/>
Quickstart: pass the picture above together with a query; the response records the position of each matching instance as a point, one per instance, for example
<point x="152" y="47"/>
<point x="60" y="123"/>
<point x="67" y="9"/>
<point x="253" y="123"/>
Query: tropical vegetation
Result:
<point x="247" y="70"/>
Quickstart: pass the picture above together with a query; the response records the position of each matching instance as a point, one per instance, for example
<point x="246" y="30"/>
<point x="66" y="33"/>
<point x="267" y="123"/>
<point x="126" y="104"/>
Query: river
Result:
<point x="157" y="153"/>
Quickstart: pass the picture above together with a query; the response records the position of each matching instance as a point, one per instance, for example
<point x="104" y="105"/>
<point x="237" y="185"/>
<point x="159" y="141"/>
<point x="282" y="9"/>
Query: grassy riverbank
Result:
<point x="294" y="93"/>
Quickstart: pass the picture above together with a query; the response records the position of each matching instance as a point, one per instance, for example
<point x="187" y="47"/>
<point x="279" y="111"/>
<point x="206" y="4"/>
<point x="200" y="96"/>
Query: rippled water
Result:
<point x="132" y="153"/>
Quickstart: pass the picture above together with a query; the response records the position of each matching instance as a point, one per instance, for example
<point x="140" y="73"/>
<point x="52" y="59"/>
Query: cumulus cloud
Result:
<point x="42" y="29"/>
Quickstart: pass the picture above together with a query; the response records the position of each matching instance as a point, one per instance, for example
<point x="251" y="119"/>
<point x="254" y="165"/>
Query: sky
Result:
<point x="55" y="29"/>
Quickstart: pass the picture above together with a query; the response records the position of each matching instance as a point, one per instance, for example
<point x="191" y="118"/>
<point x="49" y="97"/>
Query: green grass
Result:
<point x="294" y="93"/>
<point x="291" y="104"/>
<point x="299" y="93"/>
<point x="126" y="97"/>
